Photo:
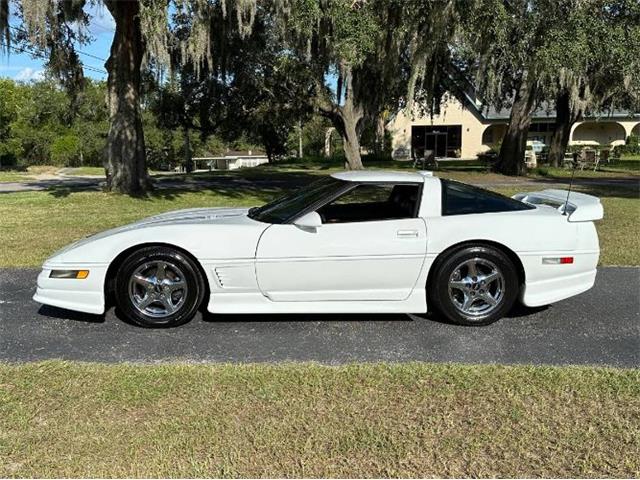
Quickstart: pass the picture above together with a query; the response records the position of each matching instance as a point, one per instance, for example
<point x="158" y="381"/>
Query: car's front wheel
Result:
<point x="476" y="285"/>
<point x="159" y="287"/>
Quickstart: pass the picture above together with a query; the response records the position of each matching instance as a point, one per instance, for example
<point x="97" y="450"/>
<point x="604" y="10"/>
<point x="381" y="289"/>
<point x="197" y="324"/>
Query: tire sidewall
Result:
<point x="193" y="278"/>
<point x="445" y="269"/>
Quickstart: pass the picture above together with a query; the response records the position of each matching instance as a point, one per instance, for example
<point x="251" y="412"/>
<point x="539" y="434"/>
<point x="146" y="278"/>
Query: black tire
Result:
<point x="175" y="298"/>
<point x="453" y="286"/>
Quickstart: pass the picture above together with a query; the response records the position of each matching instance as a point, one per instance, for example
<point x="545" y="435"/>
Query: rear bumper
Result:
<point x="80" y="295"/>
<point x="547" y="284"/>
<point x="549" y="291"/>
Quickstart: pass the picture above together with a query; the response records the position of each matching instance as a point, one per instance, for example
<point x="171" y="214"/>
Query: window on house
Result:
<point x="541" y="127"/>
<point x="442" y="140"/>
<point x="373" y="202"/>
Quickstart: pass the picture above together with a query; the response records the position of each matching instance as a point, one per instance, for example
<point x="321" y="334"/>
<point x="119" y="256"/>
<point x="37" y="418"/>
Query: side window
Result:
<point x="371" y="202"/>
<point x="365" y="194"/>
<point x="461" y="199"/>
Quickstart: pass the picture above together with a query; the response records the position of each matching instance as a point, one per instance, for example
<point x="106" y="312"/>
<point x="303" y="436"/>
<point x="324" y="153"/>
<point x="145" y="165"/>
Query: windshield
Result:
<point x="288" y="207"/>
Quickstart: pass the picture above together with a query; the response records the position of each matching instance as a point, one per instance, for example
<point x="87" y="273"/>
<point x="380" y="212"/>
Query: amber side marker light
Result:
<point x="557" y="260"/>
<point x="78" y="274"/>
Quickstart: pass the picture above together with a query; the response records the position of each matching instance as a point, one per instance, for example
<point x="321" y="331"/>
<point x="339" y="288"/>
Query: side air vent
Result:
<point x="236" y="276"/>
<point x="220" y="275"/>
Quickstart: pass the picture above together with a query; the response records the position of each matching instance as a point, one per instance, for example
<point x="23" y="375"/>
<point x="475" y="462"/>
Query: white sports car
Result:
<point x="353" y="242"/>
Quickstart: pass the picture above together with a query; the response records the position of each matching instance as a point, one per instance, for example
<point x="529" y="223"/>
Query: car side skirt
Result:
<point x="256" y="302"/>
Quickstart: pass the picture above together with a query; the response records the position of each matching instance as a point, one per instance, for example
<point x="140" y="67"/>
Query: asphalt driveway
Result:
<point x="599" y="327"/>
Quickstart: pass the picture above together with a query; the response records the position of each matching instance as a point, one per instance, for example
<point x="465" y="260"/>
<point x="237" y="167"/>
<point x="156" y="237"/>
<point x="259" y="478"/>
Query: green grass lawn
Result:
<point x="607" y="171"/>
<point x="14" y="176"/>
<point x="36" y="224"/>
<point x="91" y="172"/>
<point x="21" y="174"/>
<point x="619" y="231"/>
<point x="83" y="171"/>
<point x="304" y="420"/>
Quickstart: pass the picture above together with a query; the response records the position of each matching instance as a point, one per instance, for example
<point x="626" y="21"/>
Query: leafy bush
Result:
<point x="542" y="171"/>
<point x="10" y="152"/>
<point x="65" y="150"/>
<point x="631" y="147"/>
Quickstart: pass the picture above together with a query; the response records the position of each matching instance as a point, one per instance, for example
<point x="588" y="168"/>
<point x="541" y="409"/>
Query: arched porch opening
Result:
<point x="598" y="133"/>
<point x="492" y="135"/>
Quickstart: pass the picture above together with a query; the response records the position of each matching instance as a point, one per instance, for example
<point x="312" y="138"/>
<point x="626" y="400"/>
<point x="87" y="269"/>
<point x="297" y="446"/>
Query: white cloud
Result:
<point x="28" y="74"/>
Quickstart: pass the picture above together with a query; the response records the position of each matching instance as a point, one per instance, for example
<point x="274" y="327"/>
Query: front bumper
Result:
<point x="86" y="295"/>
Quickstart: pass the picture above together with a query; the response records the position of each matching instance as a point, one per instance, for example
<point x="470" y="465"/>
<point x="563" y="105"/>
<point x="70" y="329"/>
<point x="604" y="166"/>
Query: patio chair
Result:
<point x="588" y="158"/>
<point x="427" y="158"/>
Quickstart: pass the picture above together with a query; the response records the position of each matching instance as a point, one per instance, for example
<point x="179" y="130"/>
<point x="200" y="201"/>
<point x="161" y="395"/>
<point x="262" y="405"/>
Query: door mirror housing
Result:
<point x="310" y="221"/>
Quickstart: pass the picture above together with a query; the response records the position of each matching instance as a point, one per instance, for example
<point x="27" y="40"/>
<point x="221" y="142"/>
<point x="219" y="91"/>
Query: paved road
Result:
<point x="599" y="327"/>
<point x="224" y="181"/>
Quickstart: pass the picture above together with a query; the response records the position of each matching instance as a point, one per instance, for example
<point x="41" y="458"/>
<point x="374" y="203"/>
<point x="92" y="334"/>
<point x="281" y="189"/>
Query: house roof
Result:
<point x="546" y="110"/>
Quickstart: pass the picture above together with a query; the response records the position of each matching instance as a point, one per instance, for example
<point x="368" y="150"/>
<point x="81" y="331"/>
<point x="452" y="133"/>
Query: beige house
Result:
<point x="463" y="130"/>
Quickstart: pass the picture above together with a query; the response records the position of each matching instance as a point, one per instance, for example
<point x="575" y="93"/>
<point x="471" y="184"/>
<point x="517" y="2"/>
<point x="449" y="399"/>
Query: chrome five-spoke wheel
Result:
<point x="158" y="286"/>
<point x="158" y="289"/>
<point x="476" y="287"/>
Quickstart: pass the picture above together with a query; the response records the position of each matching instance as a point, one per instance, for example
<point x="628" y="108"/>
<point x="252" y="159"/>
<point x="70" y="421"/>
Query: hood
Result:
<point x="192" y="215"/>
<point x="178" y="217"/>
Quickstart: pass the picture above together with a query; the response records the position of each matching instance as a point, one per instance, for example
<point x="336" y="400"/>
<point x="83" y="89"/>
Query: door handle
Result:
<point x="407" y="233"/>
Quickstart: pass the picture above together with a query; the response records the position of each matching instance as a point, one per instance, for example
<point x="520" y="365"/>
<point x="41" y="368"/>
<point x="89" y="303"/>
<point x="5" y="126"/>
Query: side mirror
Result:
<point x="310" y="221"/>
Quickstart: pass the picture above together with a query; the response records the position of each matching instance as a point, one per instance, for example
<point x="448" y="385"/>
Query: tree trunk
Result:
<point x="351" y="143"/>
<point x="346" y="118"/>
<point x="300" y="152"/>
<point x="126" y="163"/>
<point x="350" y="116"/>
<point x="328" y="147"/>
<point x="379" y="139"/>
<point x="188" y="160"/>
<point x="512" y="151"/>
<point x="565" y="118"/>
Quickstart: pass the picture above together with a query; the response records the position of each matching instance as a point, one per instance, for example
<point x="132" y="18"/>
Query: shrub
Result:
<point x="65" y="150"/>
<point x="631" y="146"/>
<point x="10" y="152"/>
<point x="542" y="171"/>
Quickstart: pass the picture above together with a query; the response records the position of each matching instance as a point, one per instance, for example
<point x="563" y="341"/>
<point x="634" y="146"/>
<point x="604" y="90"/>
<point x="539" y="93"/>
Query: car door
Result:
<point x="371" y="246"/>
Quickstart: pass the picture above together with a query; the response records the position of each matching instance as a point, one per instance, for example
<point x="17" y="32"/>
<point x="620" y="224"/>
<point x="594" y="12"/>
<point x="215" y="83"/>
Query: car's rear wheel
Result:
<point x="475" y="285"/>
<point x="159" y="287"/>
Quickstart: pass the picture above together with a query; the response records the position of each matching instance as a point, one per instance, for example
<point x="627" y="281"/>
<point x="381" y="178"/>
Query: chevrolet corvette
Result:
<point x="352" y="242"/>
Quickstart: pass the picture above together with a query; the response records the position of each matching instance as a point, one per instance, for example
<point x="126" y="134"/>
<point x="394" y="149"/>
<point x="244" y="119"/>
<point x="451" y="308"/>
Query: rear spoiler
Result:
<point x="580" y="207"/>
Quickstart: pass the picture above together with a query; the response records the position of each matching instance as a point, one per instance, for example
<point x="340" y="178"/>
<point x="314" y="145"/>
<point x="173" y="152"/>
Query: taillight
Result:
<point x="557" y="260"/>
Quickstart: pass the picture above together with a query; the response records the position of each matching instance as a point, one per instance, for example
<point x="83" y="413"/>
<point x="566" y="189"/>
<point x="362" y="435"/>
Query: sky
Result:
<point x="25" y="67"/>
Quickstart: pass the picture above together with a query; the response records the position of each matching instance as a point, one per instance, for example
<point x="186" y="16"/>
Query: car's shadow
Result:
<point x="62" y="314"/>
<point x="59" y="313"/>
<point x="520" y="310"/>
<point x="304" y="317"/>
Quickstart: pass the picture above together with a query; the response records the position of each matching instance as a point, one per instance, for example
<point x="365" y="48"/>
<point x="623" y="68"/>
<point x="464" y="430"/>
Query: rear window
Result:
<point x="461" y="199"/>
